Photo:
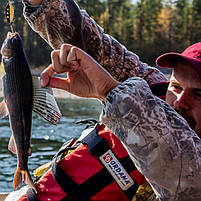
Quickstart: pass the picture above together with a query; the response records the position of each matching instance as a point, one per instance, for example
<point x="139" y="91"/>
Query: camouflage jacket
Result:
<point x="61" y="21"/>
<point x="160" y="142"/>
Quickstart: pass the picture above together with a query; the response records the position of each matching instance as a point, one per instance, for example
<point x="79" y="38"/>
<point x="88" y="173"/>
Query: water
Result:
<point x="46" y="139"/>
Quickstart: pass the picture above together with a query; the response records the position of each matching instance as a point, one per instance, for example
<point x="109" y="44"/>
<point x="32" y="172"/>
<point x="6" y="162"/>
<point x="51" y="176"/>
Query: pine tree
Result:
<point x="196" y="21"/>
<point x="181" y="25"/>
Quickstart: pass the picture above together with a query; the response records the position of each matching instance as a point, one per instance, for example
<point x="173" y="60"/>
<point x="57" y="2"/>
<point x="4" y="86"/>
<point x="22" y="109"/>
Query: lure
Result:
<point x="10" y="14"/>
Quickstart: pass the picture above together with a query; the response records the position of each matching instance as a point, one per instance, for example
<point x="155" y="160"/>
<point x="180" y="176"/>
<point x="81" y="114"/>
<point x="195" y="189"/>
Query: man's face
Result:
<point x="184" y="94"/>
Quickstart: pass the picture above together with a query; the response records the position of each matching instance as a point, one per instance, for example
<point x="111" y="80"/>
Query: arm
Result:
<point x="61" y="21"/>
<point x="159" y="140"/>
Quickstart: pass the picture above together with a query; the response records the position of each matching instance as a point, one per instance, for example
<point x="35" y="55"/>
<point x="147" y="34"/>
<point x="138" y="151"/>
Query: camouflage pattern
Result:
<point x="61" y="21"/>
<point x="159" y="140"/>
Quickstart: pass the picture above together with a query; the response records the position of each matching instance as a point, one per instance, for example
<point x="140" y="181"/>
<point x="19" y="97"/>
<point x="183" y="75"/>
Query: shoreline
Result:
<point x="58" y="93"/>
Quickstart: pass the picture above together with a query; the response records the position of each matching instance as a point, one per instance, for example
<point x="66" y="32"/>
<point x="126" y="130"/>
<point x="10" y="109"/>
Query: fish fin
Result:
<point x="44" y="103"/>
<point x="3" y="109"/>
<point x="2" y="70"/>
<point x="12" y="146"/>
<point x="20" y="176"/>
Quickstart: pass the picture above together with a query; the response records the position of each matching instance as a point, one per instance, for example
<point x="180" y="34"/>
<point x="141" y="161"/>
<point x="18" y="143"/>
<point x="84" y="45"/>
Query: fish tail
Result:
<point x="17" y="179"/>
<point x="20" y="176"/>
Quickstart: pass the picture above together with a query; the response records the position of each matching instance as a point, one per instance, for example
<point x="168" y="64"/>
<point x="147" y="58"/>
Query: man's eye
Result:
<point x="197" y="93"/>
<point x="176" y="88"/>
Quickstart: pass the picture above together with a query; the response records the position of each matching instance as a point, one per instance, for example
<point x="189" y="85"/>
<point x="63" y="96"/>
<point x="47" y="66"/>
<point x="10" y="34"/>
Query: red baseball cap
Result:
<point x="192" y="55"/>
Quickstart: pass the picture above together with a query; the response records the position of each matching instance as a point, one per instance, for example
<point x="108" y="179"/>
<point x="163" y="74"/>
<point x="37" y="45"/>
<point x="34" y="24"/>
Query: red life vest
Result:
<point x="98" y="169"/>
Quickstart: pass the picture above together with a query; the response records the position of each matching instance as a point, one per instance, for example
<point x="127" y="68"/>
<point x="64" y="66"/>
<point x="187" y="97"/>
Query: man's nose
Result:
<point x="183" y="101"/>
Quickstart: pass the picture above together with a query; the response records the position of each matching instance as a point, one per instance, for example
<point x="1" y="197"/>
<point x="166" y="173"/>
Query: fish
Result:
<point x="22" y="94"/>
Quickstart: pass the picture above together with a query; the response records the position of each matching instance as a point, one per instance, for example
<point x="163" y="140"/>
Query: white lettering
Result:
<point x="116" y="170"/>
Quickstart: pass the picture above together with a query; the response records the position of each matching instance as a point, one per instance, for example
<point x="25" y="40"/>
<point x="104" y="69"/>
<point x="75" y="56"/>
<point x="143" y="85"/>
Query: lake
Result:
<point x="46" y="139"/>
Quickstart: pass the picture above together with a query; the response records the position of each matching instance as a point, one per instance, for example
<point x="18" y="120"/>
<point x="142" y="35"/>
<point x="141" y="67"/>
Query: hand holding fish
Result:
<point x="86" y="78"/>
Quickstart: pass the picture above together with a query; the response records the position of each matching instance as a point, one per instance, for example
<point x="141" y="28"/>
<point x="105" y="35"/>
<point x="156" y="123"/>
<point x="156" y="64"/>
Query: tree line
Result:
<point x="147" y="27"/>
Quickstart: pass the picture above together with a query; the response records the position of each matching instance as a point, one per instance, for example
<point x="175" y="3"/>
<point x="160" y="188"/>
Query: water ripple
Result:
<point x="46" y="139"/>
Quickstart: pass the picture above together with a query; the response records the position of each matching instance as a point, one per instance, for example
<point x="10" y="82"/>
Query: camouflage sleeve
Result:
<point x="61" y="21"/>
<point x="159" y="140"/>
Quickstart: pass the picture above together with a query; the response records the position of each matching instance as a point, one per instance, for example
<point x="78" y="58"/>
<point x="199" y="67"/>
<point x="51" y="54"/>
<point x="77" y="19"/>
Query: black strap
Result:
<point x="83" y="192"/>
<point x="64" y="181"/>
<point x="159" y="89"/>
<point x="96" y="145"/>
<point x="31" y="195"/>
<point x="69" y="145"/>
<point x="93" y="185"/>
<point x="90" y="187"/>
<point x="129" y="166"/>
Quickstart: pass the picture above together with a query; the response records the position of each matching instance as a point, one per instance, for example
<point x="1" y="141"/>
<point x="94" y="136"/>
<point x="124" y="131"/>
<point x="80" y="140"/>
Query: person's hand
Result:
<point x="86" y="78"/>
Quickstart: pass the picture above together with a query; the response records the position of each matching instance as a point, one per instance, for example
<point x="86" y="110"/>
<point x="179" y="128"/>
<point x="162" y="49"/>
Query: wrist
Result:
<point x="108" y="89"/>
